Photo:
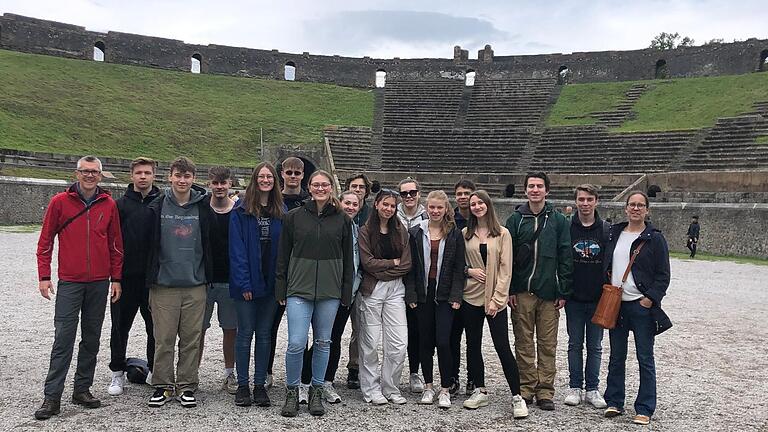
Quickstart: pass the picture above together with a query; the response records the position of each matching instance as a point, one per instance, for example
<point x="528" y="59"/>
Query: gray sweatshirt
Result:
<point x="181" y="243"/>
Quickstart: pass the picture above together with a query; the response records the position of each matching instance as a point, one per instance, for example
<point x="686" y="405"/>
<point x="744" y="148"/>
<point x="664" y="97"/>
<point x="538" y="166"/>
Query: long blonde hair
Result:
<point x="446" y="223"/>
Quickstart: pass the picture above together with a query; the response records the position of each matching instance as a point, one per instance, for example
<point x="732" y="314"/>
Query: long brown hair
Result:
<point x="447" y="223"/>
<point x="494" y="227"/>
<point x="331" y="195"/>
<point x="394" y="227"/>
<point x="251" y="201"/>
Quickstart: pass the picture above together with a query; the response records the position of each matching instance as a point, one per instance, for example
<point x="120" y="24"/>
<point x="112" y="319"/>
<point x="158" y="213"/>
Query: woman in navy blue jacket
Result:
<point x="640" y="313"/>
<point x="254" y="234"/>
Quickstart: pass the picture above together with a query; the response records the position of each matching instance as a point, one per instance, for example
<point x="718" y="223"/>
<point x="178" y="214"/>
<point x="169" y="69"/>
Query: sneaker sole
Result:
<point x="333" y="401"/>
<point x="114" y="392"/>
<point x="157" y="404"/>
<point x="517" y="417"/>
<point x="473" y="407"/>
<point x="421" y="402"/>
<point x="188" y="404"/>
<point x="612" y="414"/>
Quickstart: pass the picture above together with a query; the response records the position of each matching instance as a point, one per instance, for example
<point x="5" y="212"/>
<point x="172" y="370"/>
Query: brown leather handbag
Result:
<point x="607" y="311"/>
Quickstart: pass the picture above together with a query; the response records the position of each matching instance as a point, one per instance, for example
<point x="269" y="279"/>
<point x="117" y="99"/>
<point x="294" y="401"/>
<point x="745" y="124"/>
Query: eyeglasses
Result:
<point x="320" y="185"/>
<point x="357" y="186"/>
<point x="293" y="173"/>
<point x="89" y="173"/>
<point x="266" y="177"/>
<point x="410" y="193"/>
<point x="386" y="192"/>
<point x="637" y="206"/>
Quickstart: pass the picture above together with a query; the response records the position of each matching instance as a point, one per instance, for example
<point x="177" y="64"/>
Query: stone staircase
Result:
<point x="623" y="110"/>
<point x="508" y="103"/>
<point x="422" y="103"/>
<point x="733" y="143"/>
<point x="350" y="146"/>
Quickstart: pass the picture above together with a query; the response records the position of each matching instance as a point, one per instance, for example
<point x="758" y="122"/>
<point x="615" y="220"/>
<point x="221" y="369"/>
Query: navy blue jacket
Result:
<point x="651" y="267"/>
<point x="245" y="273"/>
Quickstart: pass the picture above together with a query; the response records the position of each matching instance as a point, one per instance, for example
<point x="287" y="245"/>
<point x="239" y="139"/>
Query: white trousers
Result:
<point x="382" y="319"/>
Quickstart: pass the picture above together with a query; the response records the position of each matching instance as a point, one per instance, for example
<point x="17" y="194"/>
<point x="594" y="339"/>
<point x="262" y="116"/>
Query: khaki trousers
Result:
<point x="177" y="312"/>
<point x="536" y="362"/>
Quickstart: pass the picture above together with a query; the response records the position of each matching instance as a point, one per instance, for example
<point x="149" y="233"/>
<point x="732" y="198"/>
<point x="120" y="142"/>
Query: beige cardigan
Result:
<point x="498" y="272"/>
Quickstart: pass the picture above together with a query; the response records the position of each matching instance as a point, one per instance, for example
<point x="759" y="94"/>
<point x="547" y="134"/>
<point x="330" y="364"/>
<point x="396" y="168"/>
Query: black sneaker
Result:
<point x="187" y="399"/>
<point x="48" y="409"/>
<point x="243" y="396"/>
<point x="353" y="379"/>
<point x="454" y="388"/>
<point x="291" y="406"/>
<point x="160" y="397"/>
<point x="316" y="396"/>
<point x="85" y="399"/>
<point x="470" y="388"/>
<point x="260" y="396"/>
<point x="545" y="404"/>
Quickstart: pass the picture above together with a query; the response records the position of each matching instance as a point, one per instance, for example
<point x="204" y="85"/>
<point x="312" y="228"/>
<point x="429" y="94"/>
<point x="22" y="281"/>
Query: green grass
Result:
<point x="708" y="257"/>
<point x="19" y="229"/>
<point x="578" y="100"/>
<point x="762" y="139"/>
<point x="50" y="173"/>
<point x="72" y="106"/>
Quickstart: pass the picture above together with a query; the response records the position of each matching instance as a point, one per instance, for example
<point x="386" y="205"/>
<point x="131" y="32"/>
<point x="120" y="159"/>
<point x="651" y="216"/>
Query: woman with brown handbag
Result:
<point x="645" y="286"/>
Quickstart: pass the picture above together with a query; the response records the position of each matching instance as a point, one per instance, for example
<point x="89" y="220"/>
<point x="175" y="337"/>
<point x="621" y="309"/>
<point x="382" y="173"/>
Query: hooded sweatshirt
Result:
<point x="135" y="224"/>
<point x="588" y="248"/>
<point x="411" y="221"/>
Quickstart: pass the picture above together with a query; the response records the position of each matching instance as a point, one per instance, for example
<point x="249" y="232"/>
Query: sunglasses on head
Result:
<point x="410" y="193"/>
<point x="387" y="192"/>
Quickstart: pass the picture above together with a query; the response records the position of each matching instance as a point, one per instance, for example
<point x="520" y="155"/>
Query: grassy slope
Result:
<point x="75" y="107"/>
<point x="669" y="104"/>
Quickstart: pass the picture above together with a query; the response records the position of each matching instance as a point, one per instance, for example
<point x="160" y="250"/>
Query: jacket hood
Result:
<point x="196" y="194"/>
<point x="401" y="211"/>
<point x="649" y="230"/>
<point x="131" y="193"/>
<point x="525" y="209"/>
<point x="99" y="194"/>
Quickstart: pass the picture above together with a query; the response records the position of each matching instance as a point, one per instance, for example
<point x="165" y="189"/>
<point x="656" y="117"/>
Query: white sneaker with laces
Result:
<point x="519" y="407"/>
<point x="416" y="383"/>
<point x="444" y="400"/>
<point x="594" y="398"/>
<point x="428" y="397"/>
<point x="573" y="397"/>
<point x="331" y="396"/>
<point x="477" y="400"/>
<point x="230" y="383"/>
<point x="303" y="394"/>
<point x="379" y="400"/>
<point x="397" y="399"/>
<point x="117" y="384"/>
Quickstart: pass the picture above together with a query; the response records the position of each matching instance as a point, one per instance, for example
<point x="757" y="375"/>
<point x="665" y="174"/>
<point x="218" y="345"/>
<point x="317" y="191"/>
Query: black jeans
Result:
<point x="499" y="327"/>
<point x="457" y="329"/>
<point x="134" y="298"/>
<point x="692" y="244"/>
<point x="434" y="326"/>
<point x="413" y="340"/>
<point x="339" y="324"/>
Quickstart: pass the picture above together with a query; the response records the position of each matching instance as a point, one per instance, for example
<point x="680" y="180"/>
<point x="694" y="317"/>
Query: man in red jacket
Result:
<point x="86" y="220"/>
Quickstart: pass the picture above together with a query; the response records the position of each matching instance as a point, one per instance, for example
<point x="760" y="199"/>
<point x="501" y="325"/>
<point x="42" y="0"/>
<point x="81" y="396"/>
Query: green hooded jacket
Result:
<point x="549" y="273"/>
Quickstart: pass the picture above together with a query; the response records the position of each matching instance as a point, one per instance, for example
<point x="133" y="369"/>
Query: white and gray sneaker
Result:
<point x="519" y="407"/>
<point x="428" y="397"/>
<point x="594" y="398"/>
<point x="230" y="383"/>
<point x="573" y="397"/>
<point x="477" y="400"/>
<point x="331" y="396"/>
<point x="303" y="394"/>
<point x="117" y="384"/>
<point x="397" y="399"/>
<point x="416" y="383"/>
<point x="444" y="400"/>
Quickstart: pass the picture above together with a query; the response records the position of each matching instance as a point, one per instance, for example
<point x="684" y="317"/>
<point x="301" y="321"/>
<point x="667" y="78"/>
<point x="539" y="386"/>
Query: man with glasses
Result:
<point x="87" y="222"/>
<point x="292" y="171"/>
<point x="362" y="187"/>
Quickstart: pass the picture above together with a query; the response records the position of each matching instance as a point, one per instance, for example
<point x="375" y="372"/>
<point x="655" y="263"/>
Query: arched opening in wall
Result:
<point x="99" y="51"/>
<point x="309" y="168"/>
<point x="763" y="67"/>
<point x="381" y="78"/>
<point x="653" y="190"/>
<point x="196" y="63"/>
<point x="290" y="71"/>
<point x="469" y="78"/>
<point x="562" y="75"/>
<point x="661" y="70"/>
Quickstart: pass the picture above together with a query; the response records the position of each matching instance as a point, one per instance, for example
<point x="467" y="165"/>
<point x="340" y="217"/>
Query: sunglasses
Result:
<point x="387" y="192"/>
<point x="292" y="173"/>
<point x="410" y="193"/>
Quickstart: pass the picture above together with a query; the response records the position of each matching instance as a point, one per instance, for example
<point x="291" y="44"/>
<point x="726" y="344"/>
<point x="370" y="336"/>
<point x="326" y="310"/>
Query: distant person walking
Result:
<point x="693" y="236"/>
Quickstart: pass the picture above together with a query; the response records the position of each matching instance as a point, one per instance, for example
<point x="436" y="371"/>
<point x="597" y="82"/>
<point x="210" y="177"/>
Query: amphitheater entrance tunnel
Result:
<point x="99" y="51"/>
<point x="309" y="168"/>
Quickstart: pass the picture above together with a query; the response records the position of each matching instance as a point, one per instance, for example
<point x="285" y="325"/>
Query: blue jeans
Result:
<point x="578" y="318"/>
<point x="633" y="317"/>
<point x="254" y="317"/>
<point x="301" y="313"/>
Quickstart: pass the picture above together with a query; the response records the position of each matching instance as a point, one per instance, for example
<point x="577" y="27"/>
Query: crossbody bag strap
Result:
<point x="72" y="219"/>
<point x="631" y="261"/>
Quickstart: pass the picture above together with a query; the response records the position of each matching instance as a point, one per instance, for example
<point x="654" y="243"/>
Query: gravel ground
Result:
<point x="712" y="369"/>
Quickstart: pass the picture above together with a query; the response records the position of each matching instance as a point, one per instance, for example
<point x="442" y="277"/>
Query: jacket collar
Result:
<point x="99" y="194"/>
<point x="649" y="230"/>
<point x="597" y="224"/>
<point x="131" y="193"/>
<point x="525" y="209"/>
<point x="311" y="206"/>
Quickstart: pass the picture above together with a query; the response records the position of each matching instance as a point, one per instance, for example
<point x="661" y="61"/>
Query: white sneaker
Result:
<point x="331" y="396"/>
<point x="379" y="400"/>
<point x="230" y="384"/>
<point x="416" y="383"/>
<point x="428" y="397"/>
<point x="444" y="400"/>
<point x="149" y="378"/>
<point x="117" y="384"/>
<point x="270" y="381"/>
<point x="397" y="399"/>
<point x="594" y="398"/>
<point x="477" y="400"/>
<point x="519" y="407"/>
<point x="303" y="394"/>
<point x="573" y="397"/>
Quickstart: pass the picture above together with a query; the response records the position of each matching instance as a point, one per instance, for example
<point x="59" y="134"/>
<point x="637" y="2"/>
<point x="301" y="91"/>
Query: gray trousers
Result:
<point x="73" y="299"/>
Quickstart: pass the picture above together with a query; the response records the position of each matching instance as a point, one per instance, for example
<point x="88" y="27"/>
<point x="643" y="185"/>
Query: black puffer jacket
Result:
<point x="136" y="226"/>
<point x="450" y="281"/>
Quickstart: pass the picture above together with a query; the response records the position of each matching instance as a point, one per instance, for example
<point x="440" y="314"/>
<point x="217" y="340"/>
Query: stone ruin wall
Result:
<point x="19" y="33"/>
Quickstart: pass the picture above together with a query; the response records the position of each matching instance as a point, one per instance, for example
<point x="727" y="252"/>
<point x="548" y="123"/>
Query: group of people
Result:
<point x="413" y="276"/>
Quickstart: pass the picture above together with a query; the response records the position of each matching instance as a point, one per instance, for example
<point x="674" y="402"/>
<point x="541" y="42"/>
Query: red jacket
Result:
<point x="90" y="247"/>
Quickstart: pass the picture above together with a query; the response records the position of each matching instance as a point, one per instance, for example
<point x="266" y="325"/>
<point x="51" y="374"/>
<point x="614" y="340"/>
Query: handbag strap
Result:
<point x="631" y="261"/>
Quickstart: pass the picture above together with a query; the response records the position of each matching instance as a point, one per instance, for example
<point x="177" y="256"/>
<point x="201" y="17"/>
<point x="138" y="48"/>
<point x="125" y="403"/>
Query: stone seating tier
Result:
<point x="351" y="147"/>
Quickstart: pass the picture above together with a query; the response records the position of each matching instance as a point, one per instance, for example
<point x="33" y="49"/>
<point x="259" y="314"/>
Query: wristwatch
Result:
<point x="466" y="271"/>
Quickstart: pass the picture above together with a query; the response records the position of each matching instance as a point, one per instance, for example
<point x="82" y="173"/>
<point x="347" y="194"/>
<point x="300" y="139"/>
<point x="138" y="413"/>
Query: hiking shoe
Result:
<point x="416" y="383"/>
<point x="612" y="411"/>
<point x="353" y="379"/>
<point x="48" y="409"/>
<point x="160" y="397"/>
<point x="470" y="388"/>
<point x="316" y="407"/>
<point x="117" y="384"/>
<point x="640" y="419"/>
<point x="270" y="381"/>
<point x="260" y="396"/>
<point x="303" y="393"/>
<point x="331" y="396"/>
<point x="477" y="400"/>
<point x="428" y="397"/>
<point x="291" y="406"/>
<point x="594" y="398"/>
<point x="444" y="400"/>
<point x="187" y="399"/>
<point x="573" y="397"/>
<point x="545" y="404"/>
<point x="519" y="407"/>
<point x="454" y="388"/>
<point x="85" y="399"/>
<point x="243" y="396"/>
<point x="397" y="399"/>
<point x="230" y="384"/>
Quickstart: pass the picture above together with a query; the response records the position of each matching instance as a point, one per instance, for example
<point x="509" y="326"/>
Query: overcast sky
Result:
<point x="408" y="29"/>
